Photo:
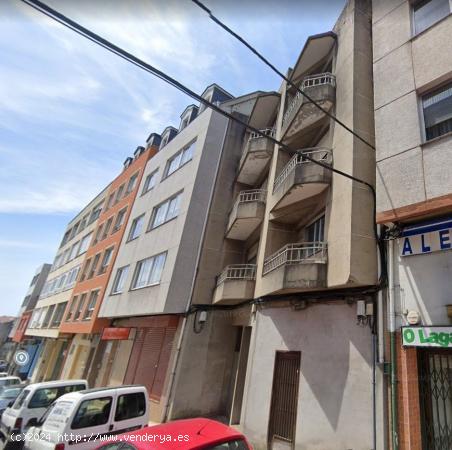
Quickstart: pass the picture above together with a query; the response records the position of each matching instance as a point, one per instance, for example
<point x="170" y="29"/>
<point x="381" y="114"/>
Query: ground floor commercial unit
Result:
<point x="33" y="347"/>
<point x="420" y="280"/>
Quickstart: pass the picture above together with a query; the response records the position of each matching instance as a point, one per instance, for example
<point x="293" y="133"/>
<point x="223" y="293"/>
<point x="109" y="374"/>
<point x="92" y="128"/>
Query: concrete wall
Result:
<point x="335" y="391"/>
<point x="409" y="170"/>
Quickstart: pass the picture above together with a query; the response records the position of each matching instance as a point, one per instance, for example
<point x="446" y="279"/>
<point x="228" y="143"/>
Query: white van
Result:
<point x="32" y="403"/>
<point x="77" y="421"/>
<point x="8" y="381"/>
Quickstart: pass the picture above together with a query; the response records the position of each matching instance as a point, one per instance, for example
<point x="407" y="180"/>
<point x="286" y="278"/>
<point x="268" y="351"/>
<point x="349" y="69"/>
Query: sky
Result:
<point x="71" y="112"/>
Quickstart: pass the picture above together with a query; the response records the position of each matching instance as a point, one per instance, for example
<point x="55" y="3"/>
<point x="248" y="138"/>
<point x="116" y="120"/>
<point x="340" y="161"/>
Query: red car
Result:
<point x="188" y="434"/>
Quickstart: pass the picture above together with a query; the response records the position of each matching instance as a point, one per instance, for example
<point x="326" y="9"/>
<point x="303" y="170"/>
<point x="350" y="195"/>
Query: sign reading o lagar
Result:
<point x="427" y="337"/>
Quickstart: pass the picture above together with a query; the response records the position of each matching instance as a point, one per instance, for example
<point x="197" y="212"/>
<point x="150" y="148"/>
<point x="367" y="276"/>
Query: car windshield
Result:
<point x="10" y="393"/>
<point x="21" y="399"/>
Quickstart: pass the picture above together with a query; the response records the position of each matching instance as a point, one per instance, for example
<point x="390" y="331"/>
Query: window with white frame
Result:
<point x="105" y="260"/>
<point x="119" y="220"/>
<point x="136" y="227"/>
<point x="166" y="211"/>
<point x="120" y="279"/>
<point x="70" y="312"/>
<point x="428" y="12"/>
<point x="315" y="231"/>
<point x="150" y="181"/>
<point x="437" y="109"/>
<point x="81" y="304"/>
<point x="91" y="305"/>
<point x="132" y="183"/>
<point x="48" y="316"/>
<point x="95" y="213"/>
<point x="73" y="252"/>
<point x="106" y="227"/>
<point x="119" y="193"/>
<point x="179" y="159"/>
<point x="94" y="266"/>
<point x="148" y="271"/>
<point x="58" y="315"/>
<point x="84" y="244"/>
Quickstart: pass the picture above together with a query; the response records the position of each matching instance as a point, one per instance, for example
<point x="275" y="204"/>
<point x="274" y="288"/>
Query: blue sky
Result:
<point x="70" y="112"/>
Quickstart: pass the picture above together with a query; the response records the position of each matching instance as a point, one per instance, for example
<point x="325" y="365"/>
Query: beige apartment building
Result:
<point x="49" y="310"/>
<point x="412" y="59"/>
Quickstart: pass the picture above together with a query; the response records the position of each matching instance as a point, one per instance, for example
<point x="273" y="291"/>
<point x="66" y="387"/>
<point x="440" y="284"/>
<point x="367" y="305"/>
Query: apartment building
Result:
<point x="57" y="291"/>
<point x="32" y="346"/>
<point x="412" y="62"/>
<point x="80" y="317"/>
<point x="156" y="272"/>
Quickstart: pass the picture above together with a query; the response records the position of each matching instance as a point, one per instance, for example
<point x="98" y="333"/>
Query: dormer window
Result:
<point x="164" y="141"/>
<point x="184" y="122"/>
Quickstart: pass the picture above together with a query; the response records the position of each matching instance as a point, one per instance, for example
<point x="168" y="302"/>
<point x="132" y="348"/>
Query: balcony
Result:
<point x="295" y="268"/>
<point x="301" y="179"/>
<point x="235" y="284"/>
<point x="247" y="214"/>
<point x="255" y="157"/>
<point x="302" y="118"/>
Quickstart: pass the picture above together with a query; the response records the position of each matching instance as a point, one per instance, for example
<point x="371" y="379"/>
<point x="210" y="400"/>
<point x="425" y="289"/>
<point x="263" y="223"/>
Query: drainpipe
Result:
<point x="195" y="273"/>
<point x="392" y="334"/>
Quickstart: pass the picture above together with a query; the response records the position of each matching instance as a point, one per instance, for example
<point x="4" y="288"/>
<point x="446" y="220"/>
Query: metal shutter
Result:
<point x="135" y="356"/>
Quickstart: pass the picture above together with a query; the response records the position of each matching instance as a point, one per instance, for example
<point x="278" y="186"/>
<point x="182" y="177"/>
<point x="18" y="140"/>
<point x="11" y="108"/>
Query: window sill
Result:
<point x="144" y="287"/>
<point x="177" y="170"/>
<point x="133" y="239"/>
<point x="437" y="139"/>
<point x="164" y="223"/>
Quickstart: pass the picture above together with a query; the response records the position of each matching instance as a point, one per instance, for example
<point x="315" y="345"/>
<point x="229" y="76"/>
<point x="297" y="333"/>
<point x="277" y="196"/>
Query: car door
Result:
<point x="131" y="411"/>
<point x="92" y="419"/>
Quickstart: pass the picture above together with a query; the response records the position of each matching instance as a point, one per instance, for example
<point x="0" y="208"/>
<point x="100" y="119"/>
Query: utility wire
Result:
<point x="278" y="72"/>
<point x="95" y="38"/>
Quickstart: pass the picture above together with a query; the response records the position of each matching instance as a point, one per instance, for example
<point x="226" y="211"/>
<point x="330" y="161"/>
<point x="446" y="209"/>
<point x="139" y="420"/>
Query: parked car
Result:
<point x="32" y="403"/>
<point x="3" y="365"/>
<point x="9" y="395"/>
<point x="77" y="420"/>
<point x="6" y="382"/>
<point x="188" y="434"/>
<point x="3" y="374"/>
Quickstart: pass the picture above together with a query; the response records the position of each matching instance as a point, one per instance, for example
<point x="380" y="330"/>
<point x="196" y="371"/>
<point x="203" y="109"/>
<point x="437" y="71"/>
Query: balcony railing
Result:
<point x="309" y="81"/>
<point x="267" y="131"/>
<point x="253" y="195"/>
<point x="306" y="252"/>
<point x="237" y="272"/>
<point x="322" y="155"/>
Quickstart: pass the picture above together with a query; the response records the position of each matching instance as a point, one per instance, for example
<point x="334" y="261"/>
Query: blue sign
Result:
<point x="426" y="238"/>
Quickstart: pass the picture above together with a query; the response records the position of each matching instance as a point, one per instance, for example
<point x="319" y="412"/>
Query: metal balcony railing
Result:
<point x="237" y="272"/>
<point x="320" y="154"/>
<point x="306" y="252"/>
<point x="309" y="81"/>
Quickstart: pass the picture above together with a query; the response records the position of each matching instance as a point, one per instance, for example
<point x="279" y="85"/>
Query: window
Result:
<point x="48" y="316"/>
<point x="107" y="227"/>
<point x="80" y="306"/>
<point x="72" y="277"/>
<point x="119" y="220"/>
<point x="84" y="244"/>
<point x="94" y="266"/>
<point x="98" y="234"/>
<point x="131" y="184"/>
<point x="149" y="271"/>
<point x="71" y="308"/>
<point x="179" y="159"/>
<point x="83" y="223"/>
<point x="43" y="398"/>
<point x="119" y="193"/>
<point x="92" y="413"/>
<point x="73" y="253"/>
<point x="91" y="305"/>
<point x="165" y="211"/>
<point x="111" y="199"/>
<point x="315" y="231"/>
<point x="85" y="269"/>
<point x="58" y="316"/>
<point x="21" y="399"/>
<point x="437" y="108"/>
<point x="106" y="260"/>
<point x="130" y="406"/>
<point x="65" y="257"/>
<point x="120" y="279"/>
<point x="135" y="229"/>
<point x="96" y="213"/>
<point x="164" y="141"/>
<point x="150" y="182"/>
<point x="74" y="230"/>
<point x="428" y="12"/>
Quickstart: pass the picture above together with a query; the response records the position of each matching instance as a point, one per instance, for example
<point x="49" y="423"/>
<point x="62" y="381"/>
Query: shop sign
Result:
<point x="111" y="333"/>
<point x="426" y="238"/>
<point x="427" y="337"/>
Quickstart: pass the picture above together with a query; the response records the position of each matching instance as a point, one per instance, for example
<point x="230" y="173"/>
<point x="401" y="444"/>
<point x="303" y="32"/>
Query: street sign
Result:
<point x="427" y="337"/>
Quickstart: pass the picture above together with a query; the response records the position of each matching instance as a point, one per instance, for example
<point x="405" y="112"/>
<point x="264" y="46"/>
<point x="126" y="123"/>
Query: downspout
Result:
<point x="195" y="273"/>
<point x="392" y="334"/>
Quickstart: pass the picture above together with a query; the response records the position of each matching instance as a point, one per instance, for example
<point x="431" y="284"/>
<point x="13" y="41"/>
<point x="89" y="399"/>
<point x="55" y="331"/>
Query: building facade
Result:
<point x="413" y="123"/>
<point x="49" y="310"/>
<point x="81" y="313"/>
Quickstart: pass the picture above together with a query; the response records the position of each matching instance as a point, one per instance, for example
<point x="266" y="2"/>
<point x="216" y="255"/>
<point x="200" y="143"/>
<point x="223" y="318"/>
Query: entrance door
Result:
<point x="283" y="409"/>
<point x="435" y="390"/>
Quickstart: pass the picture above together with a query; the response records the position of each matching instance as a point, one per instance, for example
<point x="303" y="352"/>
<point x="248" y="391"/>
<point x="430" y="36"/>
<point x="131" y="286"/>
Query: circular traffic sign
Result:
<point x="21" y="358"/>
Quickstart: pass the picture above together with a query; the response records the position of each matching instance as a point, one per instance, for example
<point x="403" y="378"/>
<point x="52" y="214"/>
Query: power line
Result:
<point x="278" y="72"/>
<point x="95" y="38"/>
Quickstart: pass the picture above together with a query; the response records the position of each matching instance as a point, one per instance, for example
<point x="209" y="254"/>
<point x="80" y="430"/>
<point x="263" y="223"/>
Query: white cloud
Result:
<point x="4" y="243"/>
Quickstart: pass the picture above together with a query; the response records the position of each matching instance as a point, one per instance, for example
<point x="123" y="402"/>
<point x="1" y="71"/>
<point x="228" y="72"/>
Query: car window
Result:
<point x="11" y="393"/>
<point x="237" y="444"/>
<point x="130" y="406"/>
<point x="92" y="413"/>
<point x="43" y="398"/>
<point x="21" y="399"/>
<point x="71" y="388"/>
